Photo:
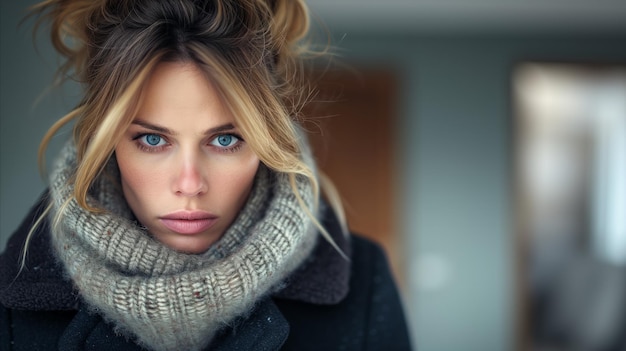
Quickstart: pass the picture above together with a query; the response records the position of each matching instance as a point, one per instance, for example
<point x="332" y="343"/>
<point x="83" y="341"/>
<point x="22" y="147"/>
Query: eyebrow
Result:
<point x="163" y="130"/>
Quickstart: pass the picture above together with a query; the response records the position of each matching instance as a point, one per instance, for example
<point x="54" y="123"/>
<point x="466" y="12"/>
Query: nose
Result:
<point x="190" y="180"/>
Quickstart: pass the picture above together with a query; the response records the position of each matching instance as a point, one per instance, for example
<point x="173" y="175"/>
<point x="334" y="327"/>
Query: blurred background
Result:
<point x="481" y="142"/>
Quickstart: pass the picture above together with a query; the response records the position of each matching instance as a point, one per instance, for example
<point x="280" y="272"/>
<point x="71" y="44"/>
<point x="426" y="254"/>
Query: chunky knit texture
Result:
<point x="165" y="299"/>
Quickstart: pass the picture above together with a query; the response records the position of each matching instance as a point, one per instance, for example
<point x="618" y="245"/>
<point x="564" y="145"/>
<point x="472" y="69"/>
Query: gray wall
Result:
<point x="455" y="141"/>
<point x="28" y="106"/>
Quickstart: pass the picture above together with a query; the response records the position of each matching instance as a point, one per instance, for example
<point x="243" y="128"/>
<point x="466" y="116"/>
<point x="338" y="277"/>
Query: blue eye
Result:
<point x="152" y="139"/>
<point x="225" y="141"/>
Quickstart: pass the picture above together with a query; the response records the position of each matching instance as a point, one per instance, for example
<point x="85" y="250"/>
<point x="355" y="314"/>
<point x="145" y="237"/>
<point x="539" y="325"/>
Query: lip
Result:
<point x="188" y="222"/>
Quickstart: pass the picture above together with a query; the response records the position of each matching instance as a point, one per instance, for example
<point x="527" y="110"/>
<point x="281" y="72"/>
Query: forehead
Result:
<point x="177" y="83"/>
<point x="177" y="91"/>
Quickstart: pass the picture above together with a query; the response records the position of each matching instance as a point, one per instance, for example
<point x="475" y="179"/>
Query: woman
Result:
<point x="185" y="213"/>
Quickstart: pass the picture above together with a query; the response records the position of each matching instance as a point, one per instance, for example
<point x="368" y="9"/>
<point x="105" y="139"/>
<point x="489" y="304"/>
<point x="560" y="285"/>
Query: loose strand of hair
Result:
<point x="334" y="199"/>
<point x="309" y="213"/>
<point x="51" y="133"/>
<point x="38" y="222"/>
<point x="57" y="221"/>
<point x="68" y="22"/>
<point x="100" y="147"/>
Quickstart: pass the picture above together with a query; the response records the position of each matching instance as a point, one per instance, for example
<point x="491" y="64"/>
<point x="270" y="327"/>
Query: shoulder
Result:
<point x="39" y="284"/>
<point x="36" y="302"/>
<point x="370" y="316"/>
<point x="371" y="281"/>
<point x="367" y="256"/>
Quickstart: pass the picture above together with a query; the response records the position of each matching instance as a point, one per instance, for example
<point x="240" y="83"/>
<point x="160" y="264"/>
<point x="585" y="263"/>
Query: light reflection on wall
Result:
<point x="571" y="173"/>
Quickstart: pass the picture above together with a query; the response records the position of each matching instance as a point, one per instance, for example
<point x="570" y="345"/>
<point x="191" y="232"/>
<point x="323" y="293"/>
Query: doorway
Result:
<point x="351" y="125"/>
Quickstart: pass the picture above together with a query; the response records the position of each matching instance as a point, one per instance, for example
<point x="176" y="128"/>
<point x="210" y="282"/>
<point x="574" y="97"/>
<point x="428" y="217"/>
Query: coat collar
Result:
<point x="324" y="277"/>
<point x="42" y="285"/>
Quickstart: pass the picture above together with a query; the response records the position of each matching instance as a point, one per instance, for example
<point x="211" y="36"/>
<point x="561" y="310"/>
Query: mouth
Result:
<point x="188" y="222"/>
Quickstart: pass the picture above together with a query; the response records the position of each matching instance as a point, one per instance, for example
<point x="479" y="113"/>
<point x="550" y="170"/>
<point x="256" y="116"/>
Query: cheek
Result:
<point x="239" y="181"/>
<point x="140" y="179"/>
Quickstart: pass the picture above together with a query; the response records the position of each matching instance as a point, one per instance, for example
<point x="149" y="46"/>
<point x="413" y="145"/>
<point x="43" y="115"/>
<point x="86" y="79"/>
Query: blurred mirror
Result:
<point x="570" y="180"/>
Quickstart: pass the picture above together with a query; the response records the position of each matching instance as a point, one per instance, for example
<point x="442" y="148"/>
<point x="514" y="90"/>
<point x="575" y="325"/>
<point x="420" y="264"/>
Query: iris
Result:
<point x="153" y="139"/>
<point x="225" y="139"/>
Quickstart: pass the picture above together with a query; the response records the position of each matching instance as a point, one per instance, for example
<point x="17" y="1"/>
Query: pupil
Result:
<point x="153" y="139"/>
<point x="224" y="140"/>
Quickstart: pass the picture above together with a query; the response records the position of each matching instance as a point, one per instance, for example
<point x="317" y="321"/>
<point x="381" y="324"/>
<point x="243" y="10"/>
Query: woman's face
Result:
<point x="186" y="172"/>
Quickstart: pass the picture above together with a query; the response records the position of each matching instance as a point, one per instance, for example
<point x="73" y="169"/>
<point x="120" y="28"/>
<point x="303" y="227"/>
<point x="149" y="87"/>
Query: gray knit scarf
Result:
<point x="164" y="299"/>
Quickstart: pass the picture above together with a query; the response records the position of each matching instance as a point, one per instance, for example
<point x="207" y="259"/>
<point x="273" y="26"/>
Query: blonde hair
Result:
<point x="250" y="49"/>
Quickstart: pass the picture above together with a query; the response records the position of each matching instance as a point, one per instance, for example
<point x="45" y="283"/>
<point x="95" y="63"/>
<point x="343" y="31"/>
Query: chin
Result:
<point x="188" y="245"/>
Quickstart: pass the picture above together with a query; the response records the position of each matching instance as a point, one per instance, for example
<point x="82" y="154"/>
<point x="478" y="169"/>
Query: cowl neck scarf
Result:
<point x="164" y="299"/>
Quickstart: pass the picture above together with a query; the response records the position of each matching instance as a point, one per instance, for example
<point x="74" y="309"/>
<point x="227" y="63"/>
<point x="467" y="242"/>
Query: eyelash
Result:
<point x="143" y="147"/>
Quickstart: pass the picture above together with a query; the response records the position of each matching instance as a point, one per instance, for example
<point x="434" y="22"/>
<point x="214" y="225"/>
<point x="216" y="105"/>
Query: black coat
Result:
<point x="329" y="303"/>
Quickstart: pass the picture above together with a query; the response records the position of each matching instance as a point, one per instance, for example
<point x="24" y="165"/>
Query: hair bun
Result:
<point x="290" y="22"/>
<point x="69" y="28"/>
